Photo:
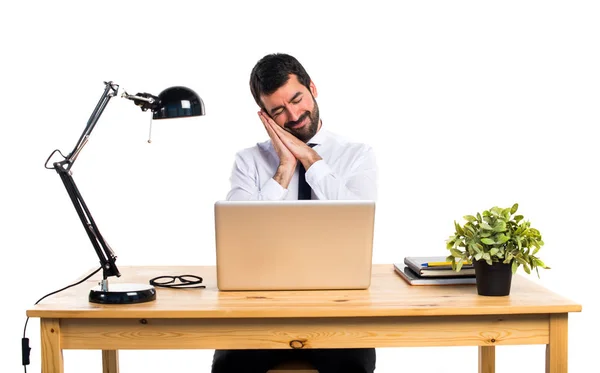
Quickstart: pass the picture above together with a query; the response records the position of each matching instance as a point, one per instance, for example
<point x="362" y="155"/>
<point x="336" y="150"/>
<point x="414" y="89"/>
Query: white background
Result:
<point x="468" y="104"/>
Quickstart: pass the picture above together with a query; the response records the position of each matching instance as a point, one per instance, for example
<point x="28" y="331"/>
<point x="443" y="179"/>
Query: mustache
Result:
<point x="291" y="124"/>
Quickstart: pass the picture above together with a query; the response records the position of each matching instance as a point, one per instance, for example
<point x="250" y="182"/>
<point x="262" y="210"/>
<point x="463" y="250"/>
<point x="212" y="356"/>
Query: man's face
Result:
<point x="294" y="108"/>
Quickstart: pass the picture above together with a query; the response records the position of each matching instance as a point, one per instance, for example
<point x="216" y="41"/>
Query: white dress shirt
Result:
<point x="348" y="171"/>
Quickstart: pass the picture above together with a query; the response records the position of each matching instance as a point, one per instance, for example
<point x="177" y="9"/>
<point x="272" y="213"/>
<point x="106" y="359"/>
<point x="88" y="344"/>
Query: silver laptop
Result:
<point x="294" y="245"/>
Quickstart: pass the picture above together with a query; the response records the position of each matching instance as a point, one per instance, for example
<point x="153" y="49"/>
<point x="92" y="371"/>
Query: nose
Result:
<point x="293" y="114"/>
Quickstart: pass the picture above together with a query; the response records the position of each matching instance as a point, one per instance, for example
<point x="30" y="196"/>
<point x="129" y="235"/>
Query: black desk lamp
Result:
<point x="174" y="102"/>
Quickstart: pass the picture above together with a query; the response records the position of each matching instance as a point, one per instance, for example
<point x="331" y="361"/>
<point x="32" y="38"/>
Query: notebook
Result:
<point x="419" y="265"/>
<point x="294" y="245"/>
<point x="413" y="279"/>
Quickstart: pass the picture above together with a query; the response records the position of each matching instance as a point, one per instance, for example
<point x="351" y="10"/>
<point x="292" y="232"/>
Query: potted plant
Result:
<point x="497" y="242"/>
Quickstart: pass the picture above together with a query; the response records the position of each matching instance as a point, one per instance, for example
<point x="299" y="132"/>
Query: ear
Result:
<point x="313" y="89"/>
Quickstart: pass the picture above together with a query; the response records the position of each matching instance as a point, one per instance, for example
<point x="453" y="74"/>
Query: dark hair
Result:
<point x="272" y="72"/>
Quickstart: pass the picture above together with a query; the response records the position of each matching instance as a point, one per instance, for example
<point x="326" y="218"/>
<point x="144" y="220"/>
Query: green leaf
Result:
<point x="514" y="266"/>
<point x="500" y="226"/>
<point x="485" y="225"/>
<point x="456" y="252"/>
<point x="470" y="218"/>
<point x="478" y="256"/>
<point x="501" y="238"/>
<point x="487" y="241"/>
<point x="514" y="208"/>
<point x="538" y="262"/>
<point x="458" y="229"/>
<point x="521" y="260"/>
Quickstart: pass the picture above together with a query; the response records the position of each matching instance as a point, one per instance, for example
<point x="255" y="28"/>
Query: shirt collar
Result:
<point x="319" y="137"/>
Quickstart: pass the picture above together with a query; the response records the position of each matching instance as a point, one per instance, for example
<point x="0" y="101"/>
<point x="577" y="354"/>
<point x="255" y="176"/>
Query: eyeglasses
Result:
<point x="178" y="282"/>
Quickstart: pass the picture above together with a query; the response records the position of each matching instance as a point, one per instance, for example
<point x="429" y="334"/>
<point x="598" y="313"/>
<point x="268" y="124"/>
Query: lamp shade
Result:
<point x="177" y="102"/>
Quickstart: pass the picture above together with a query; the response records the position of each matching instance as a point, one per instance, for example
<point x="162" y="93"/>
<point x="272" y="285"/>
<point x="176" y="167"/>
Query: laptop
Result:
<point x="294" y="245"/>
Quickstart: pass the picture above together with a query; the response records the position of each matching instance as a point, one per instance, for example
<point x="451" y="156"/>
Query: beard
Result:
<point x="308" y="131"/>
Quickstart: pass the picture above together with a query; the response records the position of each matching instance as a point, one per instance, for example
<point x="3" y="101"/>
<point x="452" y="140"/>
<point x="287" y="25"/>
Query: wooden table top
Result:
<point x="388" y="295"/>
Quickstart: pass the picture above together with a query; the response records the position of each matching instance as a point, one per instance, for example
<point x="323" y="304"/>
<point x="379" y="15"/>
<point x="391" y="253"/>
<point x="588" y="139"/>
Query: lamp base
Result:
<point x="123" y="294"/>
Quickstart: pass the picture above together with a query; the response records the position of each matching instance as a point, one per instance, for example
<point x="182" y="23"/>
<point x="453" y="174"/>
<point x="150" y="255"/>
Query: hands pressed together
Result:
<point x="290" y="150"/>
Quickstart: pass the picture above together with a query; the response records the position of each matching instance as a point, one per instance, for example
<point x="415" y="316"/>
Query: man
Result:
<point x="335" y="169"/>
<point x="300" y="161"/>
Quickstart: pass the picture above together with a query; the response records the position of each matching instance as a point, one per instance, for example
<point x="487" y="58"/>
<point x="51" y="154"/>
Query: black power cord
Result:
<point x="174" y="282"/>
<point x="25" y="349"/>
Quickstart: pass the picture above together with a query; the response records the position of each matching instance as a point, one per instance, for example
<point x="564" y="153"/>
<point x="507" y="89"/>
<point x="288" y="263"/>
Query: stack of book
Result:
<point x="434" y="270"/>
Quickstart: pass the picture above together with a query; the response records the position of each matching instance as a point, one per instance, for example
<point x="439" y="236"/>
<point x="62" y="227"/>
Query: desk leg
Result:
<point x="557" y="349"/>
<point x="110" y="361"/>
<point x="487" y="359"/>
<point x="52" y="357"/>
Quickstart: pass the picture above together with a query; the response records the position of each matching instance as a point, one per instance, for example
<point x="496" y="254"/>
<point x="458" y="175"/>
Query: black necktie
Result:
<point x="304" y="191"/>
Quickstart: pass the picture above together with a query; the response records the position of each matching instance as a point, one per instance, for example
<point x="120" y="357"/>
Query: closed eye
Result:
<point x="297" y="98"/>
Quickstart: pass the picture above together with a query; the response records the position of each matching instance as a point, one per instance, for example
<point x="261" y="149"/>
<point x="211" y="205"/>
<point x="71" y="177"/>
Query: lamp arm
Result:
<point x="110" y="91"/>
<point x="63" y="168"/>
<point x="105" y="254"/>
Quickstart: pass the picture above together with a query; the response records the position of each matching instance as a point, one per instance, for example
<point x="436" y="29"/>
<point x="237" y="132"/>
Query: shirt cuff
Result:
<point x="273" y="191"/>
<point x="316" y="172"/>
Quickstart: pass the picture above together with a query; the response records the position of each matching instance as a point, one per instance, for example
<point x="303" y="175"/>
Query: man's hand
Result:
<point x="287" y="160"/>
<point x="302" y="152"/>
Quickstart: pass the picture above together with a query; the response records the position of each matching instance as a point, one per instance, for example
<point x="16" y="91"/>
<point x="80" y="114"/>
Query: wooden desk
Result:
<point x="389" y="314"/>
